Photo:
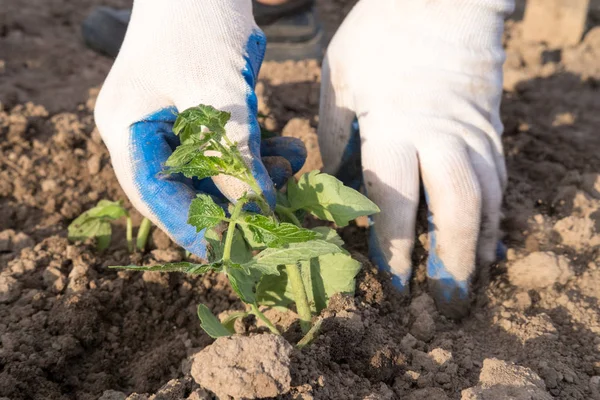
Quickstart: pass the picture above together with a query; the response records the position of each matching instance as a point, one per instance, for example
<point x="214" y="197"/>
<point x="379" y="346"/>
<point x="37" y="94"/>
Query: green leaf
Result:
<point x="231" y="318"/>
<point x="262" y="269"/>
<point x="95" y="223"/>
<point x="282" y="199"/>
<point x="329" y="235"/>
<point x="266" y="230"/>
<point x="183" y="266"/>
<point x="84" y="227"/>
<point x="183" y="154"/>
<point x="204" y="213"/>
<point x="294" y="252"/>
<point x="190" y="134"/>
<point x="275" y="290"/>
<point x="195" y="134"/>
<point x="201" y="115"/>
<point x="249" y="237"/>
<point x="211" y="324"/>
<point x="215" y="246"/>
<point x="327" y="198"/>
<point x="323" y="277"/>
<point x="267" y="261"/>
<point x="240" y="253"/>
<point x="331" y="274"/>
<point x="200" y="167"/>
<point x="108" y="210"/>
<point x="243" y="283"/>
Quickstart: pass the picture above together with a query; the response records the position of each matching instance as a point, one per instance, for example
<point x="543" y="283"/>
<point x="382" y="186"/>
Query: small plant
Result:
<point x="95" y="223"/>
<point x="268" y="257"/>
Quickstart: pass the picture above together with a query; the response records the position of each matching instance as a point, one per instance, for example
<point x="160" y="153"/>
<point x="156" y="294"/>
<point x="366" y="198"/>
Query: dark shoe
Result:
<point x="294" y="37"/>
<point x="292" y="29"/>
<point x="104" y="30"/>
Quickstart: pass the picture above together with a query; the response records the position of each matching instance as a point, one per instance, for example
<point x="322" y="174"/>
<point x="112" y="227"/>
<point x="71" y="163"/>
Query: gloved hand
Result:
<point x="424" y="79"/>
<point x="178" y="54"/>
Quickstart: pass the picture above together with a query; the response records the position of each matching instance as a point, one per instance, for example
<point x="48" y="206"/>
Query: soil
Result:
<point x="70" y="328"/>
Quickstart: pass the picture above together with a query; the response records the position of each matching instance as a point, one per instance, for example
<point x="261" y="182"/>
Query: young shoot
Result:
<point x="268" y="258"/>
<point x="96" y="223"/>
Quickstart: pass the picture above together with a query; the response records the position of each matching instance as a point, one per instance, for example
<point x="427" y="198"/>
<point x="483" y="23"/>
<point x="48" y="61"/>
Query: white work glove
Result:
<point x="424" y="79"/>
<point x="178" y="54"/>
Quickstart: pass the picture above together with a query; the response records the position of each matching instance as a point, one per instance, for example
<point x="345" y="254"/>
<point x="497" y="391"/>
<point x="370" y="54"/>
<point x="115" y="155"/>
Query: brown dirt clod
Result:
<point x="501" y="380"/>
<point x="236" y="366"/>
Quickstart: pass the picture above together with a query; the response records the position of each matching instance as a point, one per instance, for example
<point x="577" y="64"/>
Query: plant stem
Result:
<point x="235" y="214"/>
<point x="288" y="213"/>
<point x="295" y="278"/>
<point x="310" y="335"/>
<point x="253" y="184"/>
<point x="264" y="319"/>
<point x="142" y="235"/>
<point x="249" y="177"/>
<point x="129" y="234"/>
<point x="228" y="142"/>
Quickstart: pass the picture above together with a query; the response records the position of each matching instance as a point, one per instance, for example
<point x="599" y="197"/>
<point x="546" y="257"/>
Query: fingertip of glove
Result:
<point x="290" y="148"/>
<point x="279" y="170"/>
<point x="377" y="257"/>
<point x="451" y="297"/>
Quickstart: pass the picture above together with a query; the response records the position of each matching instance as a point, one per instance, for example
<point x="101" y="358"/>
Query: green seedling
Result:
<point x="268" y="257"/>
<point x="142" y="235"/>
<point x="96" y="223"/>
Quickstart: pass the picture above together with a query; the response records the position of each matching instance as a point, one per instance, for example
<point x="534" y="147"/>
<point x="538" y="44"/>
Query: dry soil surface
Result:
<point x="72" y="329"/>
